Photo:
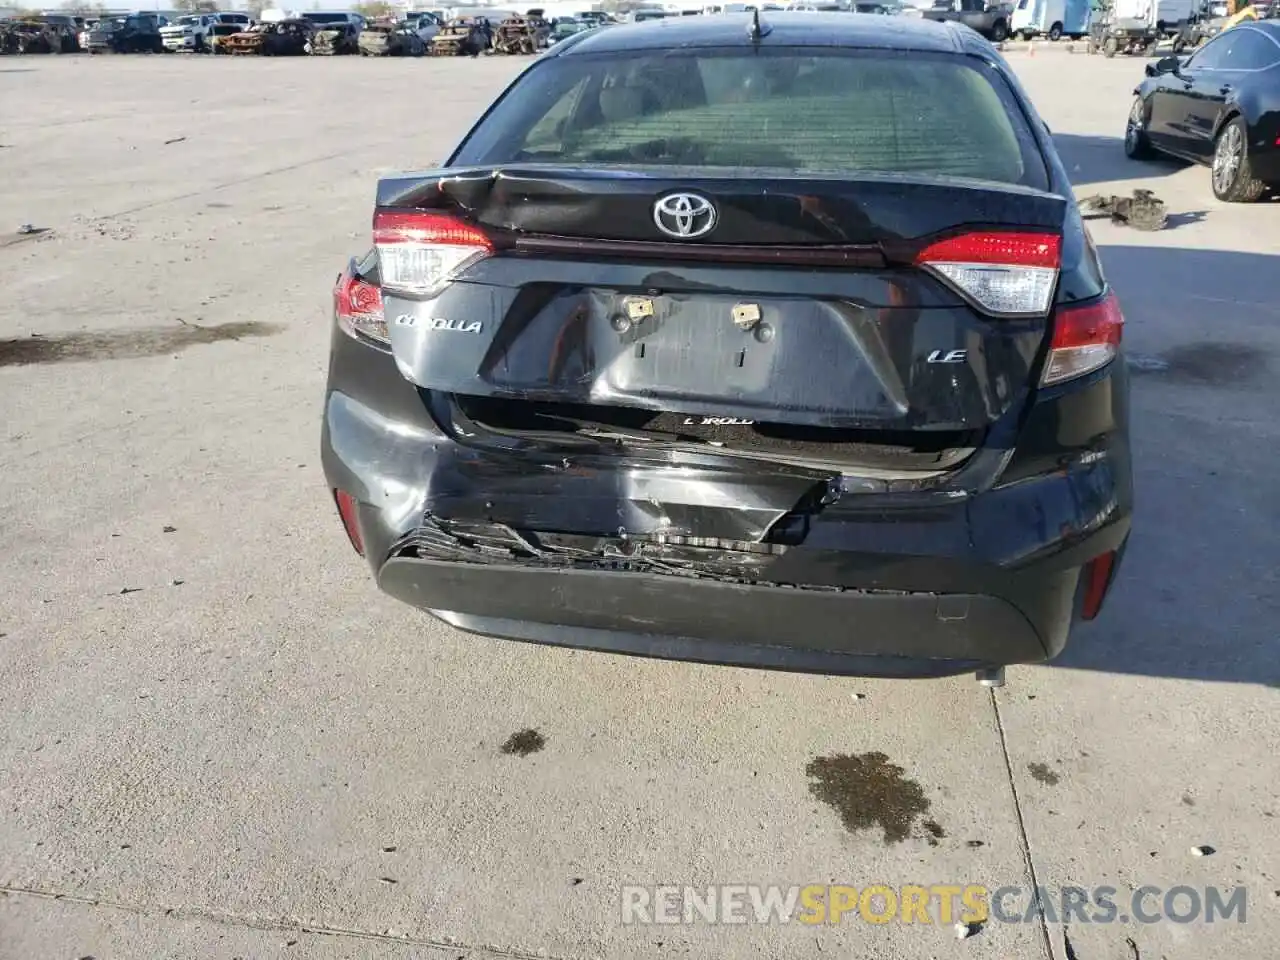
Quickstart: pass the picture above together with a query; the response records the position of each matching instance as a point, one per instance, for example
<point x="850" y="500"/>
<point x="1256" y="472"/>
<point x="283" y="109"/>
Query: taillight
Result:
<point x="1009" y="274"/>
<point x="1085" y="338"/>
<point x="420" y="252"/>
<point x="358" y="307"/>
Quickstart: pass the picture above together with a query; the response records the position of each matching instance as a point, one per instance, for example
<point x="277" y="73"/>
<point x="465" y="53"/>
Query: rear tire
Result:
<point x="999" y="32"/>
<point x="1137" y="145"/>
<point x="1230" y="174"/>
<point x="1055" y="32"/>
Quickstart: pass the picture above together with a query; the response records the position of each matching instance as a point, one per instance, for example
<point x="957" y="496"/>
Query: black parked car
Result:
<point x="1220" y="106"/>
<point x="774" y="347"/>
<point x="139" y="33"/>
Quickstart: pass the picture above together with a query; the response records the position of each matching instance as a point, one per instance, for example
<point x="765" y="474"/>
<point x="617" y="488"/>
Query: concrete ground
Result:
<point x="220" y="741"/>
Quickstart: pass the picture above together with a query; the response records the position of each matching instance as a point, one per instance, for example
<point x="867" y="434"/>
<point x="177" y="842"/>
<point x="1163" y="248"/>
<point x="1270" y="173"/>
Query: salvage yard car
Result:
<point x="218" y="33"/>
<point x="335" y="33"/>
<point x="137" y="33"/>
<point x="195" y="33"/>
<point x="425" y="25"/>
<point x="65" y="27"/>
<point x="280" y="38"/>
<point x="689" y="352"/>
<point x="190" y="33"/>
<point x="566" y="27"/>
<point x="1218" y="107"/>
<point x="991" y="18"/>
<point x="391" y="40"/>
<point x="335" y="39"/>
<point x="520" y="35"/>
<point x="461" y="37"/>
<point x="28" y="36"/>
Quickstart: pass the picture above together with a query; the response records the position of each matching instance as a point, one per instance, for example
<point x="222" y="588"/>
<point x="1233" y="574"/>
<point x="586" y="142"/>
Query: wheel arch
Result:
<point x="1145" y="97"/>
<point x="1230" y="113"/>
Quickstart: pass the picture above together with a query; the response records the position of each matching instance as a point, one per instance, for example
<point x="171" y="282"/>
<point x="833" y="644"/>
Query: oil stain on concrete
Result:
<point x="869" y="792"/>
<point x="524" y="742"/>
<point x="934" y="832"/>
<point x="125" y="344"/>
<point x="1209" y="363"/>
<point x="1042" y="773"/>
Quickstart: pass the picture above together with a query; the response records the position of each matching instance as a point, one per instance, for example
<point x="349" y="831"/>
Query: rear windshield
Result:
<point x="794" y="109"/>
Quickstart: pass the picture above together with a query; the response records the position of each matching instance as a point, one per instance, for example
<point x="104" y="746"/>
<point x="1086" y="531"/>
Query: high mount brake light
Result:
<point x="420" y="252"/>
<point x="358" y="307"/>
<point x="1085" y="338"/>
<point x="1005" y="274"/>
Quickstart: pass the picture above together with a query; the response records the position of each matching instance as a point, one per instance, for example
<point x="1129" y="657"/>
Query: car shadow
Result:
<point x="1102" y="160"/>
<point x="1198" y="594"/>
<point x="1176" y="220"/>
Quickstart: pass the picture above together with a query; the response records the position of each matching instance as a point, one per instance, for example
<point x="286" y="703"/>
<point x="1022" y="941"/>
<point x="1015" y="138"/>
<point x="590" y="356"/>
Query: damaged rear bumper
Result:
<point x="705" y="613"/>
<point x="752" y="564"/>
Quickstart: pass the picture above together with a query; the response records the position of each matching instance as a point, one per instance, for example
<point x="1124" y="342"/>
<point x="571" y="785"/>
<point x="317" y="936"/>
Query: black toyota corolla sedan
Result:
<point x="770" y="342"/>
<point x="1220" y="106"/>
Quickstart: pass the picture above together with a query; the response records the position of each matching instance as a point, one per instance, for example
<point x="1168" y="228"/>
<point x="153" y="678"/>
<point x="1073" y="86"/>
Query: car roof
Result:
<point x="1269" y="27"/>
<point x="782" y="29"/>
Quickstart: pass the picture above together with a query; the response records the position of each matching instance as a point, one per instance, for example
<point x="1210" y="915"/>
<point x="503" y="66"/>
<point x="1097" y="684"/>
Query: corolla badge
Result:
<point x="438" y="323"/>
<point x="684" y="216"/>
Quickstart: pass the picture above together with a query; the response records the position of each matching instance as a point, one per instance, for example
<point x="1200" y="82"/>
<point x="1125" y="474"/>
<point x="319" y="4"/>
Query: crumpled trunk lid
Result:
<point x="800" y="316"/>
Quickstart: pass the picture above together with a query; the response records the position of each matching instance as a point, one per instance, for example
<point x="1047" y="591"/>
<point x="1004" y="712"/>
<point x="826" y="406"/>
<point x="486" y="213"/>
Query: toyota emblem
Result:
<point x="684" y="215"/>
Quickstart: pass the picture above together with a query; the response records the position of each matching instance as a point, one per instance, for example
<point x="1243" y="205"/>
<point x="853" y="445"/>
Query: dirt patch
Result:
<point x="1042" y="773"/>
<point x="124" y="344"/>
<point x="524" y="742"/>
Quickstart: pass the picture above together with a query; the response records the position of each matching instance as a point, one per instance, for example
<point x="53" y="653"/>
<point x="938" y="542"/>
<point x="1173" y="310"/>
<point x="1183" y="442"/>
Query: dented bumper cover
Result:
<point x="708" y="558"/>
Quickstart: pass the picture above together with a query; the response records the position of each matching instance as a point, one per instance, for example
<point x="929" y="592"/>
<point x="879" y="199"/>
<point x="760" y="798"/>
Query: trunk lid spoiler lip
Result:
<point x="406" y="188"/>
<point x="490" y="197"/>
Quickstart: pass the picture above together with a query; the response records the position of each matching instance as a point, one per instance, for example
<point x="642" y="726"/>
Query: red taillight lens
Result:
<point x="1006" y="249"/>
<point x="1085" y="338"/>
<point x="1004" y="273"/>
<point x="420" y="252"/>
<point x="358" y="306"/>
<point x="350" y="519"/>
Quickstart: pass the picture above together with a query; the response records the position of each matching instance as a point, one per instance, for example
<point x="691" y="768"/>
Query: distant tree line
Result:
<point x="373" y="9"/>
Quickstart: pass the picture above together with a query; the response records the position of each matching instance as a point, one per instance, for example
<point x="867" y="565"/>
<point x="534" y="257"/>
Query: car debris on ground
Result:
<point x="1142" y="210"/>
